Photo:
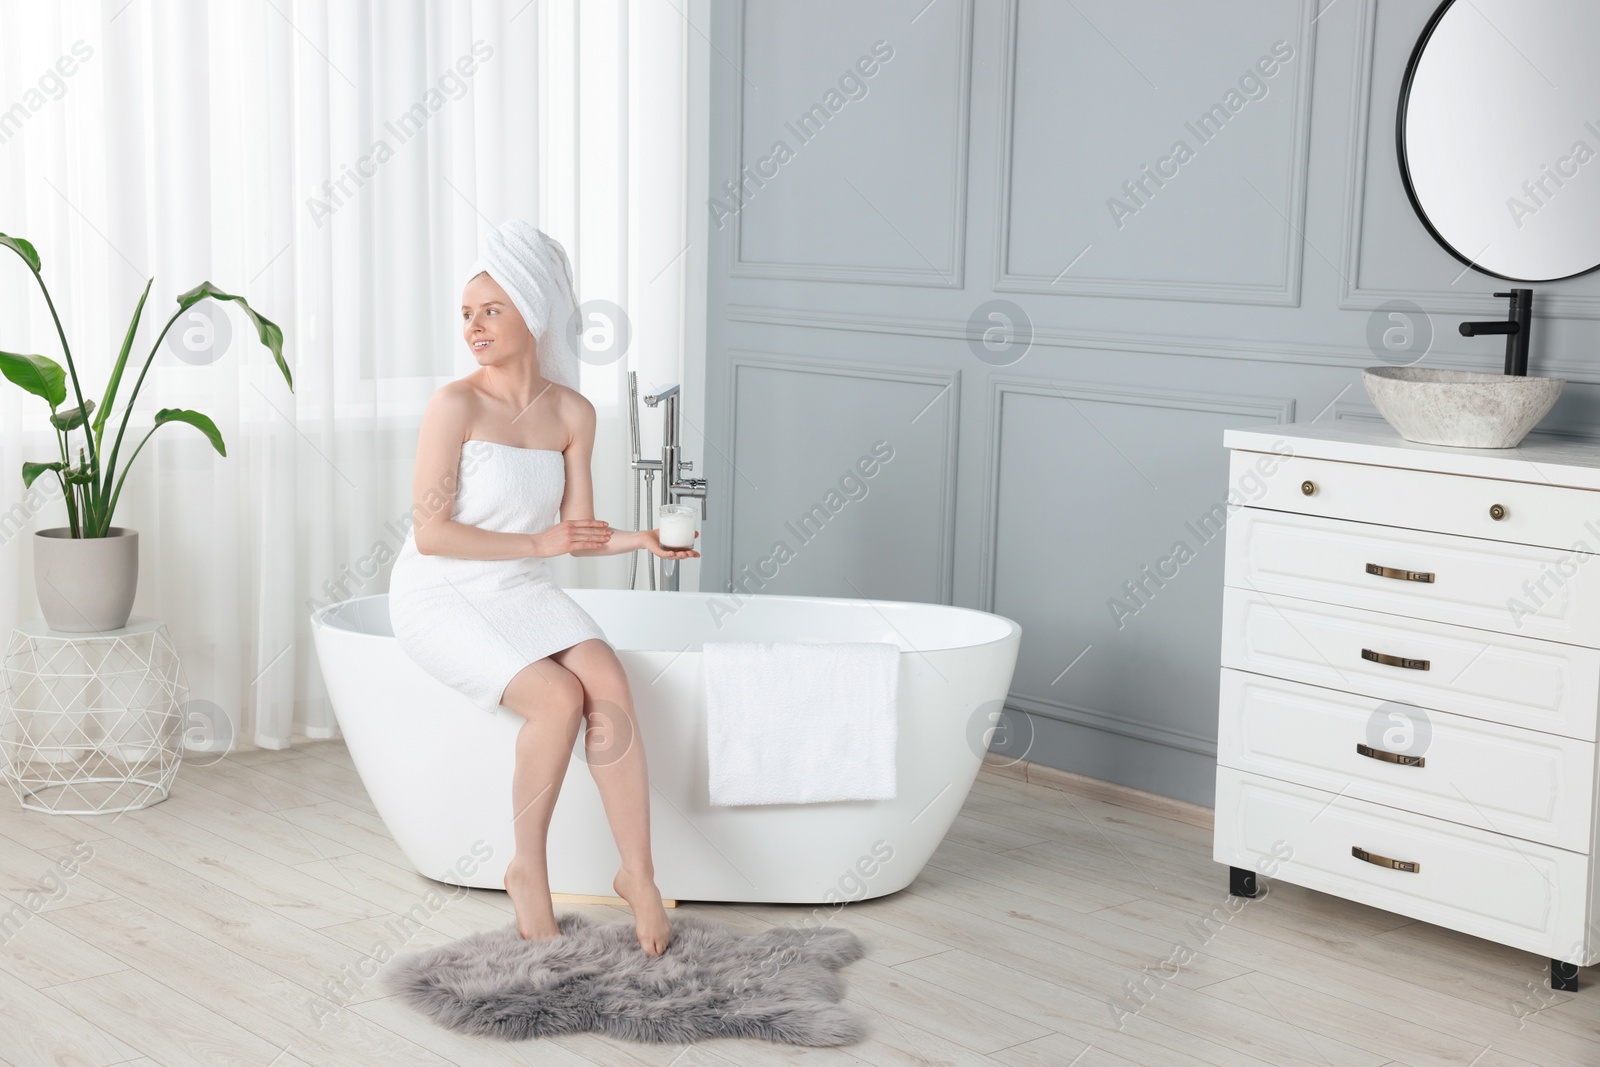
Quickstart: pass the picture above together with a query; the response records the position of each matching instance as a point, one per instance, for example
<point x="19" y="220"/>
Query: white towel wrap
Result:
<point x="800" y="722"/>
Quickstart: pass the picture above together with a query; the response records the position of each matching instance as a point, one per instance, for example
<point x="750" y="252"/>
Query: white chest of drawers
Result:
<point x="1410" y="684"/>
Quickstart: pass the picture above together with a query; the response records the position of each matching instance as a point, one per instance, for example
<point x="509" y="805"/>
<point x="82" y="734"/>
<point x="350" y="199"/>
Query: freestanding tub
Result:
<point x="438" y="768"/>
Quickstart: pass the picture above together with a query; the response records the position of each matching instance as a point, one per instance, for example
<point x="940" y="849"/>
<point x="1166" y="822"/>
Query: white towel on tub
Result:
<point x="792" y="722"/>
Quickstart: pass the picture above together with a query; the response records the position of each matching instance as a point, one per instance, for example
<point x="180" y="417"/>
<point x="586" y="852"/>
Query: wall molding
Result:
<point x="740" y="267"/>
<point x="1285" y="293"/>
<point x="949" y="383"/>
<point x="1254" y="351"/>
<point x="999" y="765"/>
<point x="1138" y="729"/>
<point x="1353" y="296"/>
<point x="1279" y="409"/>
<point x="1354" y="412"/>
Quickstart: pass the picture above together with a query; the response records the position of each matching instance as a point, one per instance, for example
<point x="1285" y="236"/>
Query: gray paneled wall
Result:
<point x="1189" y="216"/>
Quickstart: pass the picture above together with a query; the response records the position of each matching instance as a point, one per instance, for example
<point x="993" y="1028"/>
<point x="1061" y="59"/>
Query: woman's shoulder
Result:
<point x="453" y="404"/>
<point x="456" y="392"/>
<point x="576" y="413"/>
<point x="571" y="401"/>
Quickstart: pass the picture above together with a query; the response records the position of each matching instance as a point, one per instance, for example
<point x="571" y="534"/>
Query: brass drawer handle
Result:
<point x="1308" y="487"/>
<point x="1394" y="661"/>
<point x="1399" y="573"/>
<point x="1384" y="861"/>
<point x="1497" y="512"/>
<point x="1390" y="757"/>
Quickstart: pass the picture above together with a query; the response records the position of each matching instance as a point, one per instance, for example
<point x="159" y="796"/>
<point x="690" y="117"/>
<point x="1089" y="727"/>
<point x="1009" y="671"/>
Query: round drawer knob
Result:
<point x="1497" y="512"/>
<point x="1308" y="487"/>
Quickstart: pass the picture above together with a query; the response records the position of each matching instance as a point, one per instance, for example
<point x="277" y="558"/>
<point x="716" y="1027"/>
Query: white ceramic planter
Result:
<point x="85" y="584"/>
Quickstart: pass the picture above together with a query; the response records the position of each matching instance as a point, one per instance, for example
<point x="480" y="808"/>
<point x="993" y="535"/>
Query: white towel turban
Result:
<point x="531" y="266"/>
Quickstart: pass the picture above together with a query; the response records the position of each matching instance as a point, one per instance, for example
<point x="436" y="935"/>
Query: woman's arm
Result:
<point x="578" y="500"/>
<point x="578" y="503"/>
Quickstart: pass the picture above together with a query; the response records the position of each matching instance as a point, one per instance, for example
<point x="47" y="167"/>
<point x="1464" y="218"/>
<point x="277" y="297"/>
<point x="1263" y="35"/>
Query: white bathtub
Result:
<point x="438" y="768"/>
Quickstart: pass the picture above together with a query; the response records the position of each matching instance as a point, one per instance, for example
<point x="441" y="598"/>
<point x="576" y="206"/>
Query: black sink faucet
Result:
<point x="1515" y="328"/>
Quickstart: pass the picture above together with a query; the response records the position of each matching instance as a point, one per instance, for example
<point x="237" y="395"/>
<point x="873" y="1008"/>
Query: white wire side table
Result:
<point x="91" y="723"/>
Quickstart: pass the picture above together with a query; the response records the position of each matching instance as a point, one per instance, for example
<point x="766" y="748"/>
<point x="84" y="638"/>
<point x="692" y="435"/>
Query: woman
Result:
<point x="502" y="482"/>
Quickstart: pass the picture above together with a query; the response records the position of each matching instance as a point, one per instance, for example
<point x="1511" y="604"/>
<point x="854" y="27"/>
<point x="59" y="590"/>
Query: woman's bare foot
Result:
<point x="649" y="914"/>
<point x="529" y="889"/>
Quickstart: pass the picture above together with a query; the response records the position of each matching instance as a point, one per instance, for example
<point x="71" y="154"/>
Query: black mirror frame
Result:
<point x="1405" y="170"/>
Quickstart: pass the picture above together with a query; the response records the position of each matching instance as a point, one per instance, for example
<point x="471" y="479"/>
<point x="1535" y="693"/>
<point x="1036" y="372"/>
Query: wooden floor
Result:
<point x="203" y="930"/>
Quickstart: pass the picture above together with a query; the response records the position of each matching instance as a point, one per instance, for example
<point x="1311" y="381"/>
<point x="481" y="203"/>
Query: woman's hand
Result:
<point x="652" y="540"/>
<point x="569" y="534"/>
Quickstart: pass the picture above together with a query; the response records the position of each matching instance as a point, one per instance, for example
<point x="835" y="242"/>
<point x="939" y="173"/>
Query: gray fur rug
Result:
<point x="781" y="984"/>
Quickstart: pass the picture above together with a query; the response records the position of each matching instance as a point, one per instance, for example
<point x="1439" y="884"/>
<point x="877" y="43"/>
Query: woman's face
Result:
<point x="493" y="328"/>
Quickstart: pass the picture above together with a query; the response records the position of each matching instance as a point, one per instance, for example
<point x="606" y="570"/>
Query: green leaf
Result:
<point x="30" y="470"/>
<point x="78" y="475"/>
<point x="266" y="329"/>
<point x="122" y="361"/>
<point x="193" y="418"/>
<point x="70" y="418"/>
<point x="29" y="254"/>
<point x="39" y="375"/>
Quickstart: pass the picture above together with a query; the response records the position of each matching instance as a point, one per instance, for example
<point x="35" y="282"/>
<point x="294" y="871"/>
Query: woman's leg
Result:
<point x="615" y="754"/>
<point x="550" y="699"/>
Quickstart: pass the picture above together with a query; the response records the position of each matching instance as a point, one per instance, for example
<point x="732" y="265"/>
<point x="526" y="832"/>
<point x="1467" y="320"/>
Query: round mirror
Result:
<point x="1499" y="135"/>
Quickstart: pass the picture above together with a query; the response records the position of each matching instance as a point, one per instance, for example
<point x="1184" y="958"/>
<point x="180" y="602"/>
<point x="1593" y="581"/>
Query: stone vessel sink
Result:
<point x="1464" y="408"/>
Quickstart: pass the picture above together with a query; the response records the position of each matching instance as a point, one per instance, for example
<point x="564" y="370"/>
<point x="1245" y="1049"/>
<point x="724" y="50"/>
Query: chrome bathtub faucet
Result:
<point x="674" y="487"/>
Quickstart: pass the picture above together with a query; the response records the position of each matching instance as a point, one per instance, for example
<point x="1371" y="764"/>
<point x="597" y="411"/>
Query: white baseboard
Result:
<point x="1040" y="774"/>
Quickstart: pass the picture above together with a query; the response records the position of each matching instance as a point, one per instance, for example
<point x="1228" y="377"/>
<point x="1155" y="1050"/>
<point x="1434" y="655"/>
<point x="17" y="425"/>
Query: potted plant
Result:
<point x="86" y="573"/>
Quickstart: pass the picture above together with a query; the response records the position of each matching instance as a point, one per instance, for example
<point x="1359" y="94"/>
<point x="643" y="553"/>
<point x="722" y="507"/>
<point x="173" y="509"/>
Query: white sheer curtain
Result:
<point x="335" y="163"/>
